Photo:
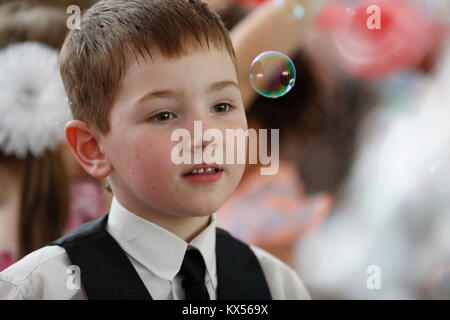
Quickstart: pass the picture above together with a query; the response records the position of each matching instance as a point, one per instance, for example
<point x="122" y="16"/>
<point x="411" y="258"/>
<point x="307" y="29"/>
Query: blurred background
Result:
<point x="360" y="206"/>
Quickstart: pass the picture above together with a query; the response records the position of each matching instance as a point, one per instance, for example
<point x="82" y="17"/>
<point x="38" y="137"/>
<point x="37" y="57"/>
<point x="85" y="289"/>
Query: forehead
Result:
<point x="187" y="76"/>
<point x="194" y="67"/>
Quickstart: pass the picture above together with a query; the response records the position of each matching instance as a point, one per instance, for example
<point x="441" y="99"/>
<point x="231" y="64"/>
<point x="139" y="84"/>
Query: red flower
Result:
<point x="402" y="38"/>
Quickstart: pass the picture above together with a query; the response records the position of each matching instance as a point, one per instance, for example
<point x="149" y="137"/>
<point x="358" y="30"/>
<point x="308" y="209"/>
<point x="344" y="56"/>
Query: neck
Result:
<point x="186" y="228"/>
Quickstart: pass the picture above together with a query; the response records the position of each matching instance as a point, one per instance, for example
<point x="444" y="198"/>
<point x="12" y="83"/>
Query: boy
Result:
<point x="135" y="72"/>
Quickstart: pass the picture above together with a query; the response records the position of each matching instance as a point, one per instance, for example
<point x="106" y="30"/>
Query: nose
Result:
<point x="198" y="141"/>
<point x="200" y="124"/>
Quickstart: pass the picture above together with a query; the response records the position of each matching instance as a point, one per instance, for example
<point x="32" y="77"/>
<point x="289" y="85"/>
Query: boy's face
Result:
<point x="139" y="146"/>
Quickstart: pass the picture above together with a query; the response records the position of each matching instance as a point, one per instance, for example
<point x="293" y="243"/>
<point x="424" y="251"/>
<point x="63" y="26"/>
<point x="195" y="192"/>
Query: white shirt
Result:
<point x="45" y="273"/>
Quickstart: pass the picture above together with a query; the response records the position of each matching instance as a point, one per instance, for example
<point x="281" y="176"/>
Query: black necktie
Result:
<point x="193" y="273"/>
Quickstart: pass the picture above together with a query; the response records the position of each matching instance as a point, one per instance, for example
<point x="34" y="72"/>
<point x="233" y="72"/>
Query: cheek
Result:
<point x="143" y="161"/>
<point x="238" y="121"/>
<point x="151" y="163"/>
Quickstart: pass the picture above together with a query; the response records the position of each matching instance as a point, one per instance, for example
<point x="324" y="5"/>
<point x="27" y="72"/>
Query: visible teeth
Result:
<point x="202" y="170"/>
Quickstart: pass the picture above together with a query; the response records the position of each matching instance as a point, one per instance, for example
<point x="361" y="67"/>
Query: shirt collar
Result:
<point x="136" y="235"/>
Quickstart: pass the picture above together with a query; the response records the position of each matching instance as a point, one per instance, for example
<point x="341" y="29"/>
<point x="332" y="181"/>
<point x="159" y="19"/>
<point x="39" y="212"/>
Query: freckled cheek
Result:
<point x="153" y="167"/>
<point x="239" y="121"/>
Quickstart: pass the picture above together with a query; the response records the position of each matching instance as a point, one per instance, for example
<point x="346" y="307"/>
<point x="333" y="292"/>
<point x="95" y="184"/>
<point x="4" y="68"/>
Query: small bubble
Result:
<point x="272" y="74"/>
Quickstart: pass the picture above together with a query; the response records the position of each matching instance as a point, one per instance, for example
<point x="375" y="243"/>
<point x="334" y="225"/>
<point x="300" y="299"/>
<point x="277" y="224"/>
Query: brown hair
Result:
<point x="44" y="201"/>
<point x="93" y="58"/>
<point x="44" y="198"/>
<point x="53" y="3"/>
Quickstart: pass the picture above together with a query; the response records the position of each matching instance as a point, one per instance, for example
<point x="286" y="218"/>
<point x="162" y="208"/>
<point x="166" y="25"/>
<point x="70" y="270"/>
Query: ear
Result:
<point x="86" y="149"/>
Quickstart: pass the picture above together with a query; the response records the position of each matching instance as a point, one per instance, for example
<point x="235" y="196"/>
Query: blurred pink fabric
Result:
<point x="272" y="211"/>
<point x="86" y="203"/>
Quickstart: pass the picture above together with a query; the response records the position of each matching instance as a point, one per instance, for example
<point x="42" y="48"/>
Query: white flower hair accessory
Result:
<point x="33" y="102"/>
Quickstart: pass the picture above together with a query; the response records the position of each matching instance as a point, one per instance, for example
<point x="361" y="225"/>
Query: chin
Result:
<point x="203" y="210"/>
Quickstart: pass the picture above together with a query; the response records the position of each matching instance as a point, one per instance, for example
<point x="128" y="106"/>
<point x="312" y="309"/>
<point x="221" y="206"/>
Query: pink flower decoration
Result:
<point x="402" y="39"/>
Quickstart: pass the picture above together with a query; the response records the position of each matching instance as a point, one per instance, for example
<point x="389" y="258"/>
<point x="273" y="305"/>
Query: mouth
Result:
<point x="202" y="169"/>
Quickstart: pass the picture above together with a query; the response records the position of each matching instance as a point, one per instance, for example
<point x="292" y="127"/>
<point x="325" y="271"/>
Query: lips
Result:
<point x="202" y="166"/>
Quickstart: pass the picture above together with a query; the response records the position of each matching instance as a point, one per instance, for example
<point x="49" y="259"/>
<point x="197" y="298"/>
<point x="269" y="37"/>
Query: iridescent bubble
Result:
<point x="295" y="6"/>
<point x="272" y="74"/>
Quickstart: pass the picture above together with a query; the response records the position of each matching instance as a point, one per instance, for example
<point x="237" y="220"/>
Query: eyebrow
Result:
<point x="215" y="86"/>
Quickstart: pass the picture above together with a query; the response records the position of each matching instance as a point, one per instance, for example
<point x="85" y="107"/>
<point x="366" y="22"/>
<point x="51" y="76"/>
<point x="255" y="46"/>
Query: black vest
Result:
<point x="107" y="273"/>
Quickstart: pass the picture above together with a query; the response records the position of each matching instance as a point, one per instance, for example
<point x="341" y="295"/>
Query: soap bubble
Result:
<point x="272" y="74"/>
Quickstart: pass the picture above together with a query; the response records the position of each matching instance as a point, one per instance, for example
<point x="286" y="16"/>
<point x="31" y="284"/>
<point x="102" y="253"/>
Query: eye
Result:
<point x="162" y="116"/>
<point x="222" y="107"/>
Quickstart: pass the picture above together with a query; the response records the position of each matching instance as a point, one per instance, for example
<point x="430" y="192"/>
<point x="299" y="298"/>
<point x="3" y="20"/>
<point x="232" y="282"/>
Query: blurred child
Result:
<point x="35" y="183"/>
<point x="42" y="195"/>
